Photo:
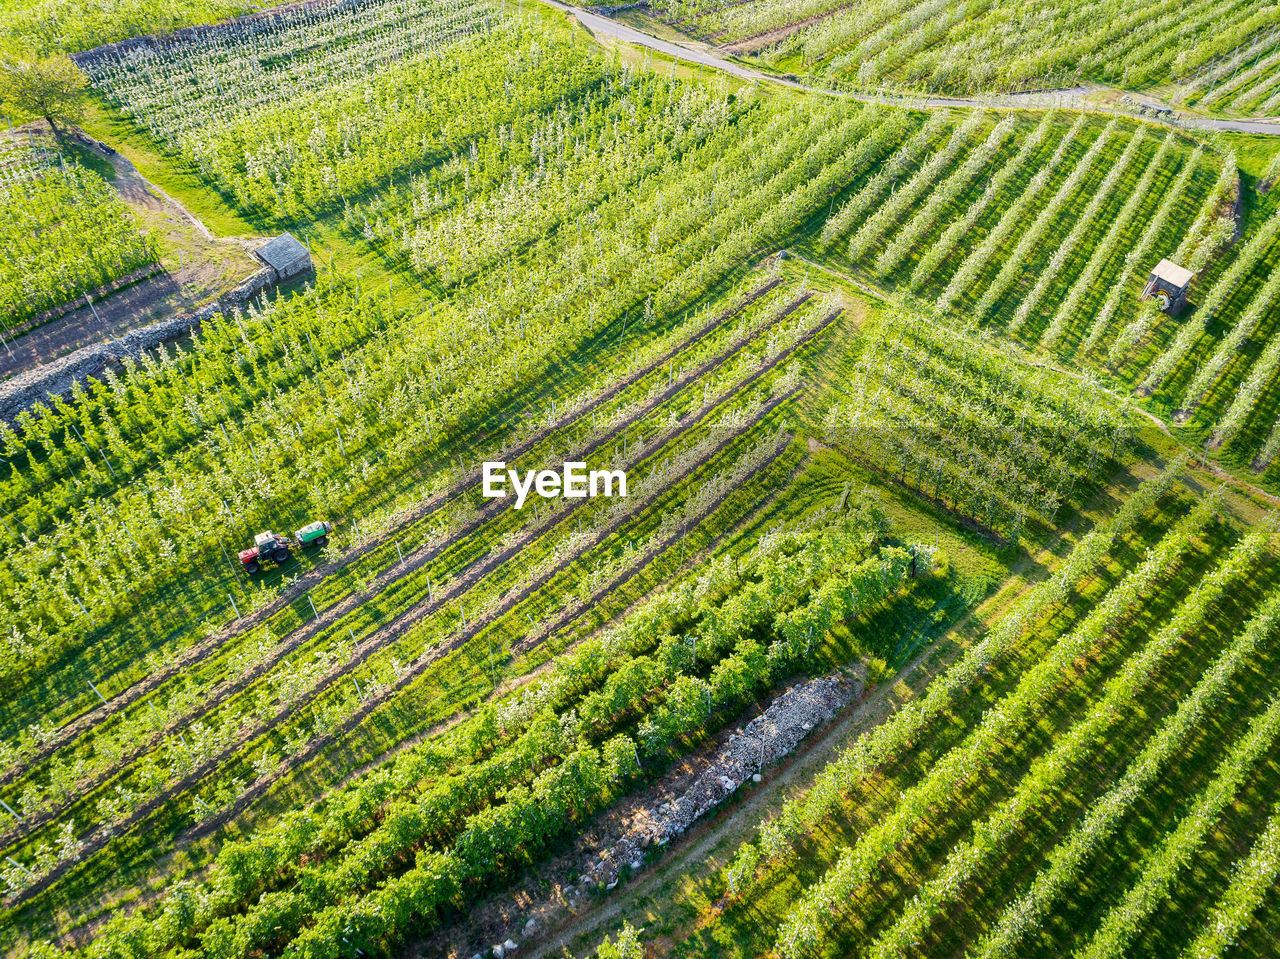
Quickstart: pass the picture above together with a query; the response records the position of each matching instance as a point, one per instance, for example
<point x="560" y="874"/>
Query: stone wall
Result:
<point x="761" y="742"/>
<point x="52" y="379"/>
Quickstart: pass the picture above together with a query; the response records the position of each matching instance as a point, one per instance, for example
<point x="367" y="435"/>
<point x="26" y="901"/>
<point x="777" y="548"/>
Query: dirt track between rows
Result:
<point x="204" y="649"/>
<point x="95" y="840"/>
<point x="392" y="574"/>
<point x="767" y="38"/>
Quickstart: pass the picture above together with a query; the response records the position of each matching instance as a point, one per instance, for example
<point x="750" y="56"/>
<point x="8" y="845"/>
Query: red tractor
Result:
<point x="266" y="547"/>
<point x="270" y="547"/>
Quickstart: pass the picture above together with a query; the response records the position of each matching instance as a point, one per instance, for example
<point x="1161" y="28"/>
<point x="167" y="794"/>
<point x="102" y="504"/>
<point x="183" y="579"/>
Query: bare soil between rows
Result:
<point x="93" y="842"/>
<point x="204" y="649"/>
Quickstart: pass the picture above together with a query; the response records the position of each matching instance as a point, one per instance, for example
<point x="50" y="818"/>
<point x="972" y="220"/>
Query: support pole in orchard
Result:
<point x="239" y="618"/>
<point x="11" y="811"/>
<point x="96" y="315"/>
<point x="97" y="693"/>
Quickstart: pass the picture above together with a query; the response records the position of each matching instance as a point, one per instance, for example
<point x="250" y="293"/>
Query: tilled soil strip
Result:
<point x="710" y="13"/>
<point x="767" y="37"/>
<point x="332" y="614"/>
<point x="308" y="580"/>
<point x="81" y="935"/>
<point x="693" y="560"/>
<point x="534" y="640"/>
<point x="94" y="841"/>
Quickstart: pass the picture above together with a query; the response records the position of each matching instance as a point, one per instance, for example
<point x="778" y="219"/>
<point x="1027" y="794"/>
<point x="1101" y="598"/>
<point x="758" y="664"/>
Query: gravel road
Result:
<point x="1071" y="98"/>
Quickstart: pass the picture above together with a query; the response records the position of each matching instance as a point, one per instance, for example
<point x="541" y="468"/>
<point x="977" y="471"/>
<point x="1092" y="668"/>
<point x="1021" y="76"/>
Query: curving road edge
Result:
<point x="1071" y="99"/>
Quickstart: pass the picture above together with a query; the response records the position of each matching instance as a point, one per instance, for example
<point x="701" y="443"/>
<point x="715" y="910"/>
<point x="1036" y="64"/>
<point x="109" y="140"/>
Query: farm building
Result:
<point x="1168" y="283"/>
<point x="285" y="255"/>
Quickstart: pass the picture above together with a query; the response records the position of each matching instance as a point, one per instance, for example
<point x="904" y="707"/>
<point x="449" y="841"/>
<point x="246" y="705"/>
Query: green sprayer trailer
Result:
<point x="271" y="547"/>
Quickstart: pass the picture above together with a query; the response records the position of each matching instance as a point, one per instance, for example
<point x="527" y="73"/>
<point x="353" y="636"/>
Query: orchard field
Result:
<point x="896" y="419"/>
<point x="65" y="233"/>
<point x="1211" y="54"/>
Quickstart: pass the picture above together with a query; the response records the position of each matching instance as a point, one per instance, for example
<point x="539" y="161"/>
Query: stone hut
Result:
<point x="285" y="256"/>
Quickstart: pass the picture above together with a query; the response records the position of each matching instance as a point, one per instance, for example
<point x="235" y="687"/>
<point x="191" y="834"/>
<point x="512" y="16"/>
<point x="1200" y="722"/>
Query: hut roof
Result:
<point x="281" y="251"/>
<point x="1171" y="273"/>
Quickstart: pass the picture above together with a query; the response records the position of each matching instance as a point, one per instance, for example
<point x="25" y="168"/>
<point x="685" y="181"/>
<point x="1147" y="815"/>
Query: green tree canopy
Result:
<point x="626" y="946"/>
<point x="48" y="87"/>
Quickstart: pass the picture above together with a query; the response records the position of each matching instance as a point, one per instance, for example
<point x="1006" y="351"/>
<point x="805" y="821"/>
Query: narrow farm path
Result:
<point x="702" y="55"/>
<point x="196" y="267"/>
<point x="708" y="845"/>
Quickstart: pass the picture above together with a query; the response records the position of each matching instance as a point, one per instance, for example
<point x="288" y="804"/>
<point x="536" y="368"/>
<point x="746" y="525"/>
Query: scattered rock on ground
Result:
<point x="763" y="741"/>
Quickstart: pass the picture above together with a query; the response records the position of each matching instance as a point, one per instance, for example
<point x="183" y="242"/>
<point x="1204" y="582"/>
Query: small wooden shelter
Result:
<point x="285" y="255"/>
<point x="1169" y="283"/>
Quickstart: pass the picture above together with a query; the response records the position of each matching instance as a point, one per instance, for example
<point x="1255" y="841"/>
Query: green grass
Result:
<point x="682" y="910"/>
<point x="184" y="185"/>
<point x="927" y="625"/>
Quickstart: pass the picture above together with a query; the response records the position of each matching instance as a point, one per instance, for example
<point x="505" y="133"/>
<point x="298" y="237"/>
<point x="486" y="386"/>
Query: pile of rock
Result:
<point x="500" y="950"/>
<point x="35" y="385"/>
<point x="762" y="741"/>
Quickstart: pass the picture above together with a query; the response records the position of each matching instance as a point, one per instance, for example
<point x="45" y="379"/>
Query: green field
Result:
<point x="1206" y="55"/>
<point x="892" y="409"/>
